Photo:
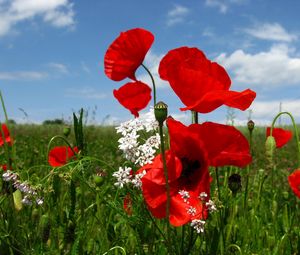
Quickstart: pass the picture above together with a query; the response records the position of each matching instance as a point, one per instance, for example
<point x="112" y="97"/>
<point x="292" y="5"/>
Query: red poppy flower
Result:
<point x="3" y="167"/>
<point x="280" y="135"/>
<point x="60" y="155"/>
<point x="200" y="84"/>
<point x="192" y="150"/>
<point x="134" y="96"/>
<point x="127" y="53"/>
<point x="127" y="204"/>
<point x="294" y="181"/>
<point x="5" y="133"/>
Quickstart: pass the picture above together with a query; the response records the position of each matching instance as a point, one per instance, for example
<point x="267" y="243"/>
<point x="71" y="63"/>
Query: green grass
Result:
<point x="80" y="216"/>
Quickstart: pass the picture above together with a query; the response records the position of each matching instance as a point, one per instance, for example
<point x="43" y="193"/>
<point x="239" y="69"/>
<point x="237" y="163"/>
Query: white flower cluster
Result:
<point x="125" y="175"/>
<point x="198" y="225"/>
<point x="129" y="144"/>
<point x="30" y="193"/>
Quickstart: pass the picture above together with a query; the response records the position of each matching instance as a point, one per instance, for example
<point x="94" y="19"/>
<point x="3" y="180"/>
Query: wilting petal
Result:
<point x="281" y="136"/>
<point x="127" y="53"/>
<point x="60" y="155"/>
<point x="127" y="204"/>
<point x="294" y="181"/>
<point x="225" y="145"/>
<point x="134" y="96"/>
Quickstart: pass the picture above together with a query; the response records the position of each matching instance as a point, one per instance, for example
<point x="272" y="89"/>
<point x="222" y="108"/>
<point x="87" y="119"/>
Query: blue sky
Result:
<point x="52" y="53"/>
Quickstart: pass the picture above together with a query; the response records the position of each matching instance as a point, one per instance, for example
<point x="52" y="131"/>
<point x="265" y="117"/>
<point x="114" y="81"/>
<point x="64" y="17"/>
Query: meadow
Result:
<point x="153" y="185"/>
<point x="82" y="214"/>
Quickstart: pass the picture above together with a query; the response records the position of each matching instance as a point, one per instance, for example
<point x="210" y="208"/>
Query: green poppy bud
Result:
<point x="270" y="147"/>
<point x="250" y="125"/>
<point x="67" y="131"/>
<point x="161" y="112"/>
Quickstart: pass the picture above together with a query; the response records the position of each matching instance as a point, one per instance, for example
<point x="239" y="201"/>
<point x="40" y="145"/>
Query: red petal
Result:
<point x="214" y="99"/>
<point x="127" y="53"/>
<point x="200" y="84"/>
<point x="6" y="135"/>
<point x="60" y="155"/>
<point x="134" y="96"/>
<point x="281" y="136"/>
<point x="225" y="145"/>
<point x="294" y="181"/>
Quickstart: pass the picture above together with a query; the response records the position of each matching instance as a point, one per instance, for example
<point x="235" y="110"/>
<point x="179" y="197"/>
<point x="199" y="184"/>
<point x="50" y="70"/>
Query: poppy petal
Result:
<point x="225" y="145"/>
<point x="6" y="135"/>
<point x="134" y="96"/>
<point x="214" y="99"/>
<point x="60" y="155"/>
<point x="281" y="136"/>
<point x="294" y="181"/>
<point x="127" y="53"/>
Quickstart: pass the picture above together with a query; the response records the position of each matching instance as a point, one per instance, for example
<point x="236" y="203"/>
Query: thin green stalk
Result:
<point x="195" y="119"/>
<point x="220" y="214"/>
<point x="295" y="130"/>
<point x="162" y="148"/>
<point x="153" y="83"/>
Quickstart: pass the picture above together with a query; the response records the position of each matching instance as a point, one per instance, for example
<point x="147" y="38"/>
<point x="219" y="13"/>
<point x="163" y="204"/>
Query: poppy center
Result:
<point x="189" y="167"/>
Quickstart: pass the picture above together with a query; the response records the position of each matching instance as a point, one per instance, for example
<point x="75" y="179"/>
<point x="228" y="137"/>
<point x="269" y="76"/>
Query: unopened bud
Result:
<point x="270" y="147"/>
<point x="250" y="125"/>
<point x="161" y="112"/>
<point x="67" y="131"/>
<point x="234" y="183"/>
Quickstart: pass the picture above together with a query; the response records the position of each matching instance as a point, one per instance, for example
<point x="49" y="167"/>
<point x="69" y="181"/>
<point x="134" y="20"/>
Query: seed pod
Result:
<point x="161" y="112"/>
<point x="250" y="125"/>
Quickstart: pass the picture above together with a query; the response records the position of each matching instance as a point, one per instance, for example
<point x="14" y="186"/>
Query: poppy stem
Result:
<point x="163" y="156"/>
<point x="153" y="83"/>
<point x="195" y="119"/>
<point x="295" y="130"/>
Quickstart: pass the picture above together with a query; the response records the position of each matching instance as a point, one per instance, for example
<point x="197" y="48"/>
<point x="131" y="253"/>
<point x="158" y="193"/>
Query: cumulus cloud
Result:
<point x="58" y="13"/>
<point x="23" y="75"/>
<point x="277" y="66"/>
<point x="223" y="5"/>
<point x="271" y="31"/>
<point x="177" y="15"/>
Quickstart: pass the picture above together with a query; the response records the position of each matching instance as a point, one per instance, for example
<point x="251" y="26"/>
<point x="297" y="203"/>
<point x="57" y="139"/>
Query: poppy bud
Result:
<point x="250" y="125"/>
<point x="270" y="147"/>
<point x="234" y="183"/>
<point x="67" y="131"/>
<point x="161" y="112"/>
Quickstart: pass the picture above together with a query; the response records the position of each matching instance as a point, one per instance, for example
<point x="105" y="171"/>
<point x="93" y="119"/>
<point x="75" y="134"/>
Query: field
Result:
<point x="84" y="213"/>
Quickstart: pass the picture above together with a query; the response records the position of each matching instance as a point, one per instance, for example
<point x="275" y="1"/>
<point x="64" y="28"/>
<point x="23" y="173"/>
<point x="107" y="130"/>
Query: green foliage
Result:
<point x="83" y="214"/>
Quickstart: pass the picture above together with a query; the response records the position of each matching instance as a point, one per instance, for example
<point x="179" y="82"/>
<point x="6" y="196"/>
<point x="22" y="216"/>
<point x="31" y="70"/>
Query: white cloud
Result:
<point x="152" y="63"/>
<point x="86" y="93"/>
<point x="218" y="4"/>
<point x="177" y="15"/>
<point x="271" y="68"/>
<point x="58" y="13"/>
<point x="61" y="68"/>
<point x="272" y="32"/>
<point x="23" y="75"/>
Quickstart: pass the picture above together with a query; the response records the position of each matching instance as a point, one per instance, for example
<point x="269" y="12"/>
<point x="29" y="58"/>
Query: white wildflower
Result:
<point x="203" y="196"/>
<point x="9" y="175"/>
<point x="192" y="211"/>
<point x="136" y="181"/>
<point x="26" y="201"/>
<point x="39" y="201"/>
<point x="198" y="225"/>
<point x="185" y="195"/>
<point x="123" y="176"/>
<point x="211" y="206"/>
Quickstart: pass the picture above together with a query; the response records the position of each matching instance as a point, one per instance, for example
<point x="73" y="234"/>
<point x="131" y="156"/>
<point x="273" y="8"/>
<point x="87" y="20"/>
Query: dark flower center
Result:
<point x="189" y="167"/>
